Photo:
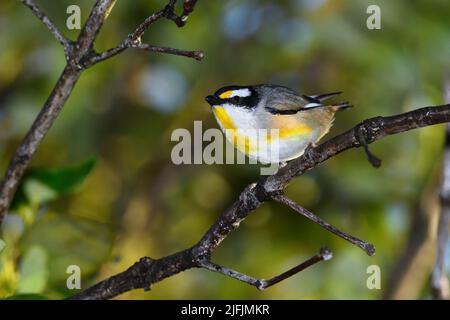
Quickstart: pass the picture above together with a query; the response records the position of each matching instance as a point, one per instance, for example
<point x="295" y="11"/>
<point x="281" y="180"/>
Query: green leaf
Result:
<point x="33" y="273"/>
<point x="63" y="180"/>
<point x="42" y="185"/>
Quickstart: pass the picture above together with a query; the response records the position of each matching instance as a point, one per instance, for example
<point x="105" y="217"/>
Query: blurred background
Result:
<point x="102" y="190"/>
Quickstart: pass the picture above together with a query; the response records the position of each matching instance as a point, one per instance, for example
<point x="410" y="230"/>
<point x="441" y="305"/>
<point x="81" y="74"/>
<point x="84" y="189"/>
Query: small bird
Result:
<point x="295" y="120"/>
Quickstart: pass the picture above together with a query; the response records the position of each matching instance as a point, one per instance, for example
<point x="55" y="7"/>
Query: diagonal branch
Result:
<point x="367" y="247"/>
<point x="251" y="198"/>
<point x="261" y="284"/>
<point x="49" y="24"/>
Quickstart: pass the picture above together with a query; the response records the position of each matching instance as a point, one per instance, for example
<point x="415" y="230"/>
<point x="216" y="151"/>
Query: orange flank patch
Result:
<point x="226" y="94"/>
<point x="285" y="133"/>
<point x="288" y="127"/>
<point x="289" y="132"/>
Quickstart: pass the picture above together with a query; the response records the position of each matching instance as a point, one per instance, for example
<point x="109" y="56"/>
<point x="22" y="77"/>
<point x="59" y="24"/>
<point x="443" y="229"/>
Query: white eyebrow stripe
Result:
<point x="241" y="93"/>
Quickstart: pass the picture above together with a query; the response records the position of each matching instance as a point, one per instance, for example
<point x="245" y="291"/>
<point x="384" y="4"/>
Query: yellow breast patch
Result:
<point x="241" y="142"/>
<point x="224" y="118"/>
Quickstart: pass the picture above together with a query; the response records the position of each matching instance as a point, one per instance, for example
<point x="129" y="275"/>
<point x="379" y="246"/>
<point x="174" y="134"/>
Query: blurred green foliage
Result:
<point x="135" y="202"/>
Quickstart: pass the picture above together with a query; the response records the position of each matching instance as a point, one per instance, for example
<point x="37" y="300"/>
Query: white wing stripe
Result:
<point x="312" y="105"/>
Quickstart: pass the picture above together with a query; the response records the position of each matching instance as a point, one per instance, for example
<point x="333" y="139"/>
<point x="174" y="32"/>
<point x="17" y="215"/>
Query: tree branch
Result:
<point x="439" y="281"/>
<point x="147" y="272"/>
<point x="367" y="247"/>
<point x="50" y="111"/>
<point x="197" y="55"/>
<point x="133" y="40"/>
<point x="50" y="26"/>
<point x="262" y="284"/>
<point x="79" y="55"/>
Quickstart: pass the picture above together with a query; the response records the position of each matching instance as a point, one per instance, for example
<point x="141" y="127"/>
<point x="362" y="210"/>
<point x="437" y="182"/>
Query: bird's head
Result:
<point x="236" y="96"/>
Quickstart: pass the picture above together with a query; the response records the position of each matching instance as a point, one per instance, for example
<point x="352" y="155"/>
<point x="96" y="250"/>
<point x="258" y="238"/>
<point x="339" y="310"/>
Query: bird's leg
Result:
<point x="361" y="137"/>
<point x="282" y="164"/>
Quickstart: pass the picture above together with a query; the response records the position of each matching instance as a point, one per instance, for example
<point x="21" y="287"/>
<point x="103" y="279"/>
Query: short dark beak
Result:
<point x="213" y="100"/>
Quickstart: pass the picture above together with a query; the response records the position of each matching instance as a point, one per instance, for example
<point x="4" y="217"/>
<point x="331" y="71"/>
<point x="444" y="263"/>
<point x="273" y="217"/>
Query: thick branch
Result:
<point x="256" y="193"/>
<point x="94" y="23"/>
<point x="49" y="24"/>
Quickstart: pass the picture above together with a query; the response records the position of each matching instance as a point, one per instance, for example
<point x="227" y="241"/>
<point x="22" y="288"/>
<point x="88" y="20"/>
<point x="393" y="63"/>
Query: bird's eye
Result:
<point x="236" y="100"/>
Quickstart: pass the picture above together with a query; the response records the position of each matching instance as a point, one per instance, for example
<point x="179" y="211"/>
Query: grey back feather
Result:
<point x="280" y="99"/>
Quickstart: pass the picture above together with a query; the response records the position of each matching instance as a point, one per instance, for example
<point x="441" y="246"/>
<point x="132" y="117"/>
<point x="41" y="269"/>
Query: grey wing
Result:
<point x="282" y="100"/>
<point x="290" y="103"/>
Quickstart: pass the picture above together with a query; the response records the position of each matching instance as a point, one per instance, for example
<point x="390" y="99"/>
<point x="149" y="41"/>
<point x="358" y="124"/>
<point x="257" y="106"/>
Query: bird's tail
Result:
<point x="340" y="106"/>
<point x="326" y="96"/>
<point x="317" y="102"/>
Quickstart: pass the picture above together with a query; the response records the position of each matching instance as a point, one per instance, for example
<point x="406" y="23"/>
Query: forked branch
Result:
<point x="133" y="40"/>
<point x="261" y="284"/>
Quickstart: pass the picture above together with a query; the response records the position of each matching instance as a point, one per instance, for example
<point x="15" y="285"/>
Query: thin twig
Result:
<point x="262" y="284"/>
<point x="324" y="254"/>
<point x="367" y="247"/>
<point x="133" y="40"/>
<point x="197" y="55"/>
<point x="93" y="59"/>
<point x="49" y="24"/>
<point x="211" y="266"/>
<point x="137" y="34"/>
